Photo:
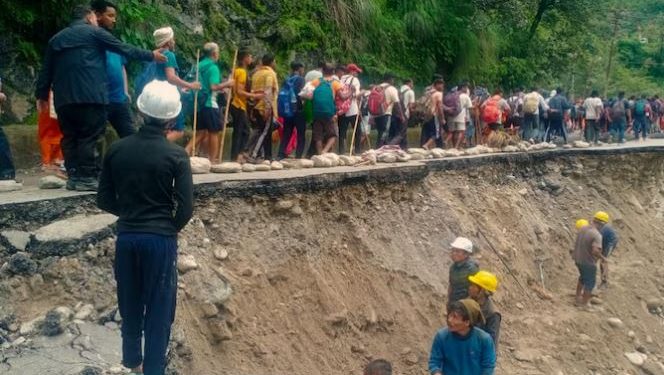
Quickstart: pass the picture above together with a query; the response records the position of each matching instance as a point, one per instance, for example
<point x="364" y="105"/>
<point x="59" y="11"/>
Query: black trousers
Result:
<point x="383" y="127"/>
<point x="556" y="126"/>
<point x="345" y="123"/>
<point x="398" y="133"/>
<point x="119" y="115"/>
<point x="240" y="131"/>
<point x="261" y="137"/>
<point x="7" y="170"/>
<point x="297" y="122"/>
<point x="82" y="125"/>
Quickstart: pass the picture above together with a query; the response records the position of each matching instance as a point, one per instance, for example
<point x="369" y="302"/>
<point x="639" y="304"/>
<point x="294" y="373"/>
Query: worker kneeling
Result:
<point x="482" y="286"/>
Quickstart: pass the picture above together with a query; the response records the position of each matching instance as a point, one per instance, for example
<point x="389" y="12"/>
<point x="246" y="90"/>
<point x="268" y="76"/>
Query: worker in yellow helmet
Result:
<point x="609" y="243"/>
<point x="587" y="251"/>
<point x="482" y="286"/>
<point x="581" y="223"/>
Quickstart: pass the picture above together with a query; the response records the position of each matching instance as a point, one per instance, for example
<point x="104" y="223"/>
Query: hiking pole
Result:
<point x="509" y="269"/>
<point x="228" y="106"/>
<point x="352" y="141"/>
<point x="193" y="147"/>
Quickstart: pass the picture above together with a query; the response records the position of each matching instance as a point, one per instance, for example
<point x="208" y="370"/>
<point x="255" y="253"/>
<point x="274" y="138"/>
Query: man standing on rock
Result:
<point x="463" y="267"/>
<point x="461" y="348"/>
<point x="146" y="181"/>
<point x="587" y="250"/>
<point x="609" y="243"/>
<point x="75" y="69"/>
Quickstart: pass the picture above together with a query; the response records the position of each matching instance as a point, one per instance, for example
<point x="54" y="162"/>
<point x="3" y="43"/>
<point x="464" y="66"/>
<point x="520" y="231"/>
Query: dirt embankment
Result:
<point x="321" y="282"/>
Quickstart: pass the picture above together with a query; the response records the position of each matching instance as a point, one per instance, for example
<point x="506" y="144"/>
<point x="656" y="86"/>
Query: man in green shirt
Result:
<point x="463" y="266"/>
<point x="209" y="119"/>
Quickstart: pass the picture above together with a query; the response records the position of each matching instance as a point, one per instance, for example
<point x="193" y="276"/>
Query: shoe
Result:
<point x="71" y="183"/>
<point x="87" y="184"/>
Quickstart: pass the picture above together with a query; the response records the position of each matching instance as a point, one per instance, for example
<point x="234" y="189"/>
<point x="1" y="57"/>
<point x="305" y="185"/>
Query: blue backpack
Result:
<point x="148" y="74"/>
<point x="287" y="99"/>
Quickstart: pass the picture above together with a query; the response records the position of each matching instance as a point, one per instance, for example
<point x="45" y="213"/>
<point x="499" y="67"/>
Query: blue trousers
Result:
<point x="7" y="170"/>
<point x="641" y="126"/>
<point x="146" y="276"/>
<point x="618" y="127"/>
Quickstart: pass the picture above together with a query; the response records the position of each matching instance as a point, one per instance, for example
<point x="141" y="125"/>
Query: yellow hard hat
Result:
<point x="602" y="216"/>
<point x="485" y="280"/>
<point x="581" y="223"/>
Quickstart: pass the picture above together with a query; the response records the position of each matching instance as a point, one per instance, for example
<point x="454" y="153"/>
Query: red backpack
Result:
<point x="344" y="97"/>
<point x="491" y="113"/>
<point x="377" y="101"/>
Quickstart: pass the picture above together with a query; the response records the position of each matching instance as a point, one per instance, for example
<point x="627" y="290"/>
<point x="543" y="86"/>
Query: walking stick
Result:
<point x="352" y="142"/>
<point x="228" y="106"/>
<point x="193" y="147"/>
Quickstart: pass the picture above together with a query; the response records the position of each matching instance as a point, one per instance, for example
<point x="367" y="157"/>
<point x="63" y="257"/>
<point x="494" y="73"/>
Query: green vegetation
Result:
<point x="504" y="43"/>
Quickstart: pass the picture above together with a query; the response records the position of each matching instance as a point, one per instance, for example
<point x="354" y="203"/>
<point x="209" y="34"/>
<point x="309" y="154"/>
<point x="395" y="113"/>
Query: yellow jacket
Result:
<point x="265" y="80"/>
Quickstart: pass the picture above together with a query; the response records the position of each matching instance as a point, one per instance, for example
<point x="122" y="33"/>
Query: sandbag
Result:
<point x="200" y="165"/>
<point x="321" y="161"/>
<point x="227" y="167"/>
<point x="263" y="167"/>
<point x="247" y="167"/>
<point x="305" y="163"/>
<point x="276" y="166"/>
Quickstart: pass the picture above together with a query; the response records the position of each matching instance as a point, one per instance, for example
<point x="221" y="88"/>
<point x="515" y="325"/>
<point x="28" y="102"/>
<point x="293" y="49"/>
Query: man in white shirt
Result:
<point x="384" y="122"/>
<point x="533" y="102"/>
<point x="457" y="125"/>
<point x="594" y="108"/>
<point x="407" y="97"/>
<point x="347" y="120"/>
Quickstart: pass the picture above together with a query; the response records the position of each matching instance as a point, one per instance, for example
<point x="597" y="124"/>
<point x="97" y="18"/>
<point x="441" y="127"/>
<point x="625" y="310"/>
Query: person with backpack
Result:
<point x="407" y="98"/>
<point x="516" y="110"/>
<point x="382" y="99"/>
<point x="558" y="106"/>
<point x="74" y="69"/>
<point x="164" y="39"/>
<point x="642" y="112"/>
<point x="291" y="109"/>
<point x="533" y="103"/>
<point x="118" y="110"/>
<point x="241" y="94"/>
<point x="494" y="110"/>
<point x="619" y="116"/>
<point x="325" y="130"/>
<point x="435" y="117"/>
<point x="348" y="106"/>
<point x="265" y="112"/>
<point x="593" y="107"/>
<point x="209" y="116"/>
<point x="456" y="106"/>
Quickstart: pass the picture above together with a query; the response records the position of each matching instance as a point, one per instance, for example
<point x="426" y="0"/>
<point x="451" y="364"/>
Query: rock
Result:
<point x="615" y="322"/>
<point x="74" y="228"/>
<point x="116" y="370"/>
<point x="411" y="359"/>
<point x="304" y="163"/>
<point x="523" y="192"/>
<point x="227" y="167"/>
<point x="19" y="240"/>
<point x="581" y="144"/>
<point x="220" y="331"/>
<point x="200" y="165"/>
<point x="596" y="301"/>
<point x="10" y="185"/>
<point x="520" y="305"/>
<point x="117" y="317"/>
<point x="654" y="303"/>
<point x="321" y="162"/>
<point x="338" y="318"/>
<point x="220" y="253"/>
<point x="276" y="166"/>
<point x="631" y="334"/>
<point x="19" y="341"/>
<point x="186" y="263"/>
<point x="84" y="312"/>
<point x="51" y="182"/>
<point x="209" y="310"/>
<point x="52" y="324"/>
<point x="359" y="349"/>
<point x="91" y="371"/>
<point x="263" y="167"/>
<point x="21" y="264"/>
<point x="28" y="328"/>
<point x="65" y="313"/>
<point x="636" y="358"/>
<point x="584" y="337"/>
<point x="284" y="205"/>
<point x="111" y="325"/>
<point x="652" y="368"/>
<point x="524" y="356"/>
<point x="297" y="211"/>
<point x="248" y="167"/>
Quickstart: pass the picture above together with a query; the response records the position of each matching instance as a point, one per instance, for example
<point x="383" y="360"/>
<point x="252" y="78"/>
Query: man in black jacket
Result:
<point x="75" y="68"/>
<point x="146" y="181"/>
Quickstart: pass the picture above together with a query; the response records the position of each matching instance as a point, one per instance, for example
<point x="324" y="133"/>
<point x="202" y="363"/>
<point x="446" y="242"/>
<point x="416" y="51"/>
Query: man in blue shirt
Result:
<point x="461" y="348"/>
<point x="118" y="110"/>
<point x="558" y="105"/>
<point x="609" y="243"/>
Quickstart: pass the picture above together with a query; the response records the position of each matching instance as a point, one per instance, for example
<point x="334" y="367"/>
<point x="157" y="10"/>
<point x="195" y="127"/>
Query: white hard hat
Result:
<point x="462" y="243"/>
<point x="160" y="100"/>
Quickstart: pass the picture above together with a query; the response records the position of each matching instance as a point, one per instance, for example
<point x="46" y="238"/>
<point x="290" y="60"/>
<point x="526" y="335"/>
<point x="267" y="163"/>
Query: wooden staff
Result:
<point x="193" y="147"/>
<point x="228" y="106"/>
<point x="352" y="141"/>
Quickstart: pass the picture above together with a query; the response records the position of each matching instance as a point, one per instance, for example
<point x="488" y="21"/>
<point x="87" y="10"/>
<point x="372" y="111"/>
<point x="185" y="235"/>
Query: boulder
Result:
<point x="248" y="167"/>
<point x="21" y="264"/>
<point x="263" y="167"/>
<point x="200" y="165"/>
<point x="186" y="263"/>
<point x="19" y="240"/>
<point x="227" y="167"/>
<point x="321" y="162"/>
<point x="276" y="166"/>
<point x="51" y="182"/>
<point x="74" y="228"/>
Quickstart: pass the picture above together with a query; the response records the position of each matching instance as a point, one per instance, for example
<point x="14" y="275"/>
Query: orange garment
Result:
<point x="49" y="134"/>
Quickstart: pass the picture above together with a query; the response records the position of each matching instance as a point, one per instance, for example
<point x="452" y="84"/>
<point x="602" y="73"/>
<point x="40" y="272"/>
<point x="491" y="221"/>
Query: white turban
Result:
<point x="163" y="35"/>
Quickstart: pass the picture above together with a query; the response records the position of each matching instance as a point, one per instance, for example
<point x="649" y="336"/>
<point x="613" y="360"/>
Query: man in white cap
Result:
<point x="164" y="39"/>
<point x="463" y="266"/>
<point x="146" y="181"/>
